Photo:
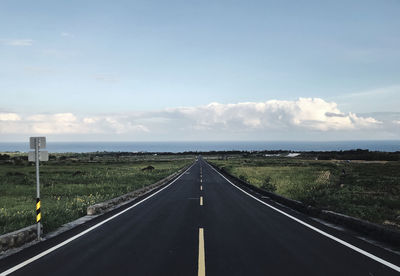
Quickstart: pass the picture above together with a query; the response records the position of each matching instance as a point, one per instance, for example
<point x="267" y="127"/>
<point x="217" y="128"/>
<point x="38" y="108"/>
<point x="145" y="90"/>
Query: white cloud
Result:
<point x="224" y="120"/>
<point x="305" y="113"/>
<point x="67" y="123"/>
<point x="89" y="120"/>
<point x="55" y="123"/>
<point x="9" y="117"/>
<point x="66" y="34"/>
<point x="9" y="122"/>
<point x="395" y="89"/>
<point x="17" y="42"/>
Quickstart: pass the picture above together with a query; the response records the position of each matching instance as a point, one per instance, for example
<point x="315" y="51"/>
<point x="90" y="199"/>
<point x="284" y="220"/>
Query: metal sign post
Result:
<point x="37" y="143"/>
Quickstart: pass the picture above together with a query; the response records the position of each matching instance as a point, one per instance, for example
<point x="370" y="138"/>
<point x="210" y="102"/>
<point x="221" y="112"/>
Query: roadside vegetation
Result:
<point x="72" y="182"/>
<point x="368" y="190"/>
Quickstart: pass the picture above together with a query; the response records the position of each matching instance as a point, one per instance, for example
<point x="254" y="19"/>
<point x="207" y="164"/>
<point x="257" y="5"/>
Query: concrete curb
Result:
<point x="18" y="238"/>
<point x="13" y="242"/>
<point x="373" y="230"/>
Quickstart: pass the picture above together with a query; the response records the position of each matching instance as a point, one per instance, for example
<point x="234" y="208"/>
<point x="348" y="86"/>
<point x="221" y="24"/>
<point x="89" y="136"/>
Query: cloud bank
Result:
<point x="224" y="121"/>
<point x="305" y="113"/>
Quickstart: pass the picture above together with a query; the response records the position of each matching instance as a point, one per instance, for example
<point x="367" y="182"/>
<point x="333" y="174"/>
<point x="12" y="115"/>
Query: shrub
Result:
<point x="243" y="178"/>
<point x="268" y="185"/>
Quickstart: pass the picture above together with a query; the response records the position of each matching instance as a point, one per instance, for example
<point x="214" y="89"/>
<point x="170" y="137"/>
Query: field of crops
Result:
<point x="70" y="184"/>
<point x="367" y="190"/>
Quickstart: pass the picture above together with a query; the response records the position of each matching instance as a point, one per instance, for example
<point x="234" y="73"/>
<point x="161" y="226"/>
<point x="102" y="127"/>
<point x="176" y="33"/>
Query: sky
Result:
<point x="200" y="70"/>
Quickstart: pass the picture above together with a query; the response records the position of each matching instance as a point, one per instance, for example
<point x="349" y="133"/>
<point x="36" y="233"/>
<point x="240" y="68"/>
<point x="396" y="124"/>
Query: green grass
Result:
<point x="69" y="187"/>
<point x="369" y="191"/>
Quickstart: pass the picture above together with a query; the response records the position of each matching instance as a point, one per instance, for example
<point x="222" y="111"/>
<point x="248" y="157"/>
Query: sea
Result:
<point x="175" y="147"/>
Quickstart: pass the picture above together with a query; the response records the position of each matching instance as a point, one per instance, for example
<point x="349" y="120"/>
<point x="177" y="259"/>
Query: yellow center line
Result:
<point x="202" y="259"/>
<point x="201" y="187"/>
<point x="201" y="201"/>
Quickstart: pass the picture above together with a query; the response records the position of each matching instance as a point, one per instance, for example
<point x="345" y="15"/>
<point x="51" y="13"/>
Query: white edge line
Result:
<point x="365" y="253"/>
<point x="44" y="253"/>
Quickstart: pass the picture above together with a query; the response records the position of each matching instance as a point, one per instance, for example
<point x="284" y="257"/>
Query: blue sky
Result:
<point x="106" y="60"/>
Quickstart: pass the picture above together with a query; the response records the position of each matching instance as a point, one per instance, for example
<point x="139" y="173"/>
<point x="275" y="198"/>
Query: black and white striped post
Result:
<point x="38" y="143"/>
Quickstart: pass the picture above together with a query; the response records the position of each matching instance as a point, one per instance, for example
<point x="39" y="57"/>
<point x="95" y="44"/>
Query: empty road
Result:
<point x="201" y="224"/>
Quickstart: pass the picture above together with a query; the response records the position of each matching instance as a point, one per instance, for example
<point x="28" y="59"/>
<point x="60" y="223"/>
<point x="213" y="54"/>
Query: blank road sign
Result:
<point x="43" y="156"/>
<point x="42" y="142"/>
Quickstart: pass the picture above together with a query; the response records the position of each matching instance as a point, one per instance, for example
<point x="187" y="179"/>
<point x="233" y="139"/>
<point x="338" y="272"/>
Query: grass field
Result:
<point x="367" y="190"/>
<point x="70" y="184"/>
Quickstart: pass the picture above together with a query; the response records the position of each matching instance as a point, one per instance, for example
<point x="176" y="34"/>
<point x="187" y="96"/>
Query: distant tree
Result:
<point x="4" y="157"/>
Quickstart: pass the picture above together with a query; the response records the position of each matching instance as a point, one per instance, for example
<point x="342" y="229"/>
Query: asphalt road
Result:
<point x="203" y="225"/>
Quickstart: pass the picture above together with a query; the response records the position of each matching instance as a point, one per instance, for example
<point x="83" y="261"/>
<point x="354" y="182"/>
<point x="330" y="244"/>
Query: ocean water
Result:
<point x="389" y="146"/>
